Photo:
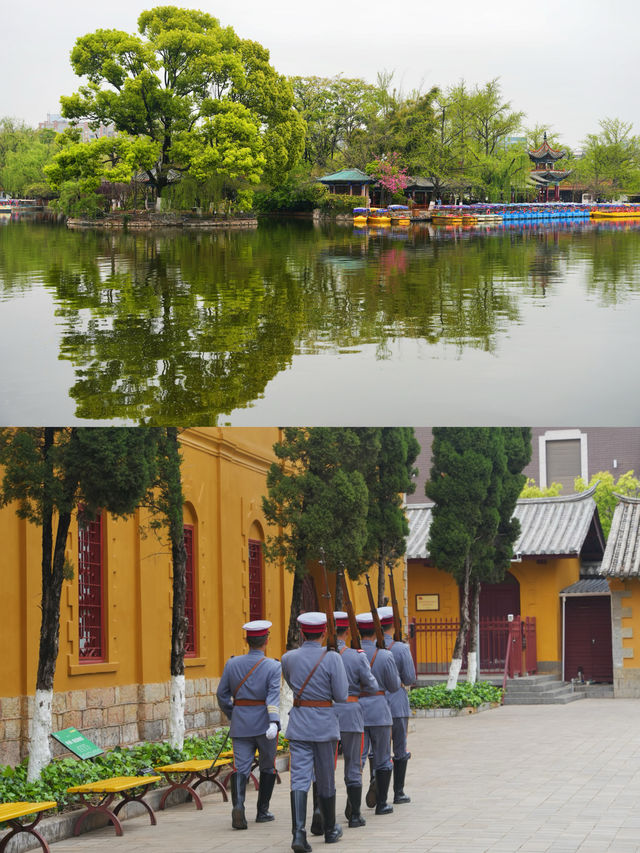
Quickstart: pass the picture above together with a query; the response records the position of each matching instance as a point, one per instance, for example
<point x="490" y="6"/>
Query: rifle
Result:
<point x="332" y="637"/>
<point x="397" y="622"/>
<point x="353" y="625"/>
<point x="376" y="619"/>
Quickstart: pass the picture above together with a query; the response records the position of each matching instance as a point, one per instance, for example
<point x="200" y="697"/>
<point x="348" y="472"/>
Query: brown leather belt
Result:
<point x="250" y="702"/>
<point x="379" y="693"/>
<point x="352" y="698"/>
<point x="310" y="703"/>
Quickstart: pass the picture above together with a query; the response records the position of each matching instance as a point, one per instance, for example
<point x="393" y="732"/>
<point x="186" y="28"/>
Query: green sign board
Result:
<point x="77" y="743"/>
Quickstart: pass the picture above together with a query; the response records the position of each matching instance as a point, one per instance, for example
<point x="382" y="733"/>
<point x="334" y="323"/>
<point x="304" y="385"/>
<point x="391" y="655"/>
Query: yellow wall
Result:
<point x="540" y="585"/>
<point x="224" y="478"/>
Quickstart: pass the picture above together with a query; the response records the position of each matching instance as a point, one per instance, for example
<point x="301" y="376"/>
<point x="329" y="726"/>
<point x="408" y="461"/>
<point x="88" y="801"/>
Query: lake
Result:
<point x="301" y="323"/>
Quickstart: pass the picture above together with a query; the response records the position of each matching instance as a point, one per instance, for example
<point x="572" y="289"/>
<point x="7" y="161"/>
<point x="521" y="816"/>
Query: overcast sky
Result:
<point x="567" y="64"/>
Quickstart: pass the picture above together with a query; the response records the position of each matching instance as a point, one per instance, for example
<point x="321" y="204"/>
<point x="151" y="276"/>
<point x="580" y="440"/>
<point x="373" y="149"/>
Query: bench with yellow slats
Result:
<point x="131" y="789"/>
<point x="12" y="812"/>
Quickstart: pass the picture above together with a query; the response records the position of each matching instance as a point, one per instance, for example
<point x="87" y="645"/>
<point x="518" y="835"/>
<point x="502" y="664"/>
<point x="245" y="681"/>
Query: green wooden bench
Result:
<point x="12" y="813"/>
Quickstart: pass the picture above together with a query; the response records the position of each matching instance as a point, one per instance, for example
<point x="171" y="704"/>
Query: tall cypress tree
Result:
<point x="317" y="499"/>
<point x="475" y="480"/>
<point x="49" y="472"/>
<point x="389" y="477"/>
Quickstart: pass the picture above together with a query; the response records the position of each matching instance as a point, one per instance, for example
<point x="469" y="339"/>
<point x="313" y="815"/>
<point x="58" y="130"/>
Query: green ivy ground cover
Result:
<point x="465" y="695"/>
<point x="138" y="760"/>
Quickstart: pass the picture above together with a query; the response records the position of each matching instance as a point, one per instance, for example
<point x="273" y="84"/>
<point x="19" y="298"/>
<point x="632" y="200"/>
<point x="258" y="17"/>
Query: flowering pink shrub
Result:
<point x="389" y="173"/>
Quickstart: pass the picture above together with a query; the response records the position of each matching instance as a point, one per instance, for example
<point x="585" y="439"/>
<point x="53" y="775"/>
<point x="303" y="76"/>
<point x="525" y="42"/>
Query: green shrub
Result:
<point x="335" y="203"/>
<point x="65" y="773"/>
<point x="465" y="695"/>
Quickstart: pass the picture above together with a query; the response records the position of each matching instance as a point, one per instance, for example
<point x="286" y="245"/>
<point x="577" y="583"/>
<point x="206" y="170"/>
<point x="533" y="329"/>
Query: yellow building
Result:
<point x="113" y="669"/>
<point x="621" y="564"/>
<point x="112" y="672"/>
<point x="560" y="544"/>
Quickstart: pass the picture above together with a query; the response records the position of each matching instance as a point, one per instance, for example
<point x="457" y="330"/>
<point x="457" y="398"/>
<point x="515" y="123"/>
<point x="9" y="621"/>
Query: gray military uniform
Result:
<point x="313" y="730"/>
<point x="399" y="701"/>
<point x="250" y="722"/>
<point x="350" y="715"/>
<point x="377" y="714"/>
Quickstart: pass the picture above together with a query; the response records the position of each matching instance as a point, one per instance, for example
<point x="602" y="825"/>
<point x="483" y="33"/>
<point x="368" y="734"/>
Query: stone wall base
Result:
<point x="626" y="683"/>
<point x="111" y="716"/>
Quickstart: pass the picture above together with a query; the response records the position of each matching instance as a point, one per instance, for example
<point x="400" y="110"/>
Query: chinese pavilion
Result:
<point x="545" y="173"/>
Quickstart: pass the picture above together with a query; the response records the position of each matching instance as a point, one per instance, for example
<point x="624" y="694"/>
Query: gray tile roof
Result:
<point x="348" y="175"/>
<point x="549" y="526"/>
<point x="588" y="586"/>
<point x="622" y="554"/>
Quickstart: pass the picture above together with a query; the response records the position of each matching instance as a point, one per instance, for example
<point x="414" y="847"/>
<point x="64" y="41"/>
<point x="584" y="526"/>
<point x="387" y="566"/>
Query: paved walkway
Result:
<point x="557" y="778"/>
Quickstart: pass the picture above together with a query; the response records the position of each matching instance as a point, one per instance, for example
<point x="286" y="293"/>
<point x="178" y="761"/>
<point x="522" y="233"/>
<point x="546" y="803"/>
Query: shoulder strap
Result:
<point x="253" y="669"/>
<point x="308" y="678"/>
<point x="375" y="655"/>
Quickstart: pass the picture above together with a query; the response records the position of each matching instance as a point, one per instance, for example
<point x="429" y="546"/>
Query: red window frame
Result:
<point x="91" y="597"/>
<point x="190" y="649"/>
<point x="256" y="601"/>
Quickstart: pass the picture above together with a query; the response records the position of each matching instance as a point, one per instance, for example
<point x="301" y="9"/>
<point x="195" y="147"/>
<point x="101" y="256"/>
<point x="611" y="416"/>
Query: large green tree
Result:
<point x="474" y="483"/>
<point x="610" y="163"/>
<point x="317" y="500"/>
<point x="206" y="100"/>
<point x="389" y="478"/>
<point x="49" y="473"/>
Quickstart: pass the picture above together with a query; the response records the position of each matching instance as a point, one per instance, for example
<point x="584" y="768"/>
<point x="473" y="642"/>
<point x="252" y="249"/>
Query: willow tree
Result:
<point x="49" y="473"/>
<point x="203" y="99"/>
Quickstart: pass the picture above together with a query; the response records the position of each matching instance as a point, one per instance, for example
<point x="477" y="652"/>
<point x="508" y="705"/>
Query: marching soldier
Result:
<point x="317" y="679"/>
<point x="377" y="715"/>
<point x="249" y="694"/>
<point x="399" y="703"/>
<point x="351" y="718"/>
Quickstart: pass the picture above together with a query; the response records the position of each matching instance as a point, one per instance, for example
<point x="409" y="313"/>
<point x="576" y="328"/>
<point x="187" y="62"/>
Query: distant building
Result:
<point x="348" y="182"/>
<point x="59" y="124"/>
<point x="545" y="173"/>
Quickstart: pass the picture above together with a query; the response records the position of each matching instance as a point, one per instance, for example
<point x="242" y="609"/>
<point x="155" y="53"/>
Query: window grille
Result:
<point x="256" y="609"/>
<point x="90" y="591"/>
<point x="189" y="605"/>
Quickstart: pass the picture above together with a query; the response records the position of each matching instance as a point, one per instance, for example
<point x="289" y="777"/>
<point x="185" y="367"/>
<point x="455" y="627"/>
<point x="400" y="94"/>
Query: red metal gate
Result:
<point x="432" y="642"/>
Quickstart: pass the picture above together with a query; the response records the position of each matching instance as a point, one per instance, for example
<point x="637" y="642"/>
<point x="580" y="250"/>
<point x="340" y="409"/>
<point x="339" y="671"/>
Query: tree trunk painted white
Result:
<point x="158" y="204"/>
<point x="286" y="704"/>
<point x="176" y="712"/>
<point x="472" y="667"/>
<point x="39" y="732"/>
<point x="454" y="671"/>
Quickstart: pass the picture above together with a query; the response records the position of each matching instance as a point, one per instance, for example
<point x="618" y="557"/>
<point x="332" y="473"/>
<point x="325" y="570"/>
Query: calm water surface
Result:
<point x="293" y="323"/>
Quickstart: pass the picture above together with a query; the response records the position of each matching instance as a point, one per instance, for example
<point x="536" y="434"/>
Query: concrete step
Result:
<point x="540" y="690"/>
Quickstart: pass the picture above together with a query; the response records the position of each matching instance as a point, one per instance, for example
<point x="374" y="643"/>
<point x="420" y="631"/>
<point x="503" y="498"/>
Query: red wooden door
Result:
<point x="498" y="600"/>
<point x="587" y="634"/>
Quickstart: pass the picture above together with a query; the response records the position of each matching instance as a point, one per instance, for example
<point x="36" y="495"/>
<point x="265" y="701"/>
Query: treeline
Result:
<point x="203" y="120"/>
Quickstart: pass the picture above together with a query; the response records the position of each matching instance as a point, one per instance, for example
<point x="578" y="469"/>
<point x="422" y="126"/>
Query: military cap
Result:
<point x="342" y="618"/>
<point x="386" y="615"/>
<point x="257" y="628"/>
<point x="312" y="622"/>
<point x="365" y="619"/>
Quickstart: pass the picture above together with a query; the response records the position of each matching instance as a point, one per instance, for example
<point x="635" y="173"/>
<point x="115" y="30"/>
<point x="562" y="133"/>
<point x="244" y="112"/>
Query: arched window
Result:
<point x="256" y="598"/>
<point x="190" y="598"/>
<point x="91" y="645"/>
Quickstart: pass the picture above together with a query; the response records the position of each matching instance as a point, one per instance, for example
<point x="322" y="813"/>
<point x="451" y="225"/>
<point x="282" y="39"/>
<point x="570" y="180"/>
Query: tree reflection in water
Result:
<point x="175" y="327"/>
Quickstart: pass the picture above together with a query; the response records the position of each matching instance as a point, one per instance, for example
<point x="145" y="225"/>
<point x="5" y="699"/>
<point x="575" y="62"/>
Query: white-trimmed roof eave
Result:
<point x="622" y="554"/>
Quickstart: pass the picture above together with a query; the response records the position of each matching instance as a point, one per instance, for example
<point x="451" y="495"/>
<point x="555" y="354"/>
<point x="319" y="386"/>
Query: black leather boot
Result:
<point x="298" y="818"/>
<point x="370" y="798"/>
<point x="399" y="772"/>
<point x="238" y="785"/>
<point x="354" y="799"/>
<point x="267" y="781"/>
<point x="332" y="830"/>
<point x="383" y="778"/>
<point x="317" y="823"/>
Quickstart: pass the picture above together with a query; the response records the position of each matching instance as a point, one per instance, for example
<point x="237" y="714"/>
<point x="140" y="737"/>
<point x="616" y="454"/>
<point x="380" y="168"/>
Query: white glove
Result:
<point x="272" y="731"/>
